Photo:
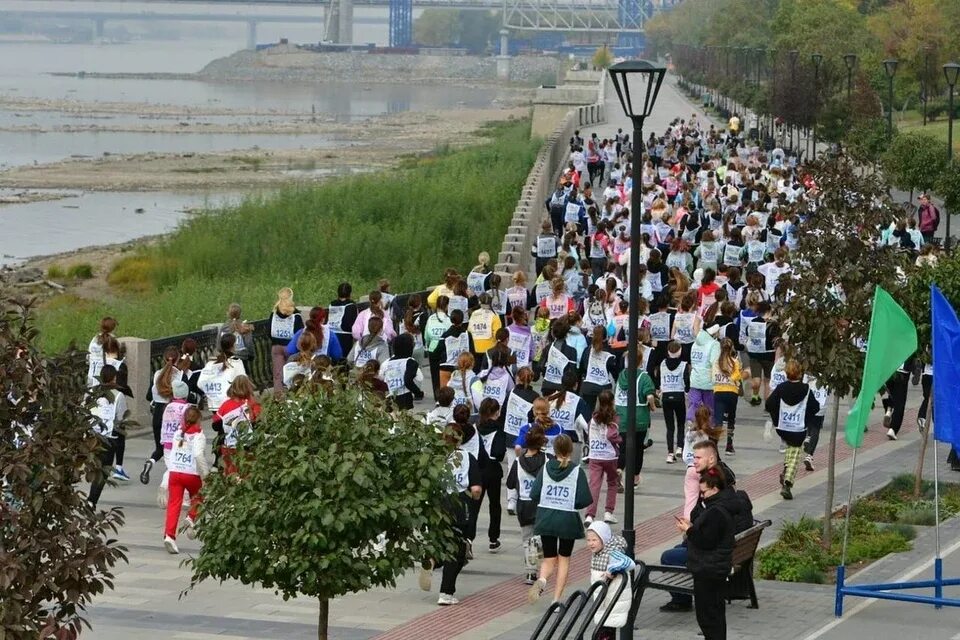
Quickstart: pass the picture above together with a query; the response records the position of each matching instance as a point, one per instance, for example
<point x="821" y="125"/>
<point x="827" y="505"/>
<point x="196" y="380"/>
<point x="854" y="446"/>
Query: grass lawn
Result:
<point x="913" y="121"/>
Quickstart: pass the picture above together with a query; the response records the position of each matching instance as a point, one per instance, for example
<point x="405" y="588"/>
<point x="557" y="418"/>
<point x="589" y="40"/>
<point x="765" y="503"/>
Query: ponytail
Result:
<point x="165" y="382"/>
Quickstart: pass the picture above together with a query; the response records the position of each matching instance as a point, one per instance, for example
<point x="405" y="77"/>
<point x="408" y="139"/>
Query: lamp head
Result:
<point x="890" y="66"/>
<point x="850" y="59"/>
<point x="637" y="83"/>
<point x="794" y="55"/>
<point x="817" y="59"/>
<point x="950" y="71"/>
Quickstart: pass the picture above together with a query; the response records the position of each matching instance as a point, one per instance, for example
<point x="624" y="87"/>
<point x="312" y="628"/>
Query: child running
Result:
<point x="523" y="473"/>
<point x="188" y="467"/>
<point x="605" y="442"/>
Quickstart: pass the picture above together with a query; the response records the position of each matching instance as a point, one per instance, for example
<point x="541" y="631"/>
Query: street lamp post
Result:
<point x="637" y="83"/>
<point x="850" y="60"/>
<point x="817" y="60"/>
<point x="793" y="55"/>
<point x="923" y="99"/>
<point x="761" y="54"/>
<point x="950" y="71"/>
<point x="890" y="67"/>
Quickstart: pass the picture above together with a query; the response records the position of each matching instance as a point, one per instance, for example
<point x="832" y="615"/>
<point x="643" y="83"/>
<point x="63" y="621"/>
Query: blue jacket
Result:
<point x="334" y="352"/>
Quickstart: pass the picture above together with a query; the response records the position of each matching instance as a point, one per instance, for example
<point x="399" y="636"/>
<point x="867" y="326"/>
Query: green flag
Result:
<point x="893" y="339"/>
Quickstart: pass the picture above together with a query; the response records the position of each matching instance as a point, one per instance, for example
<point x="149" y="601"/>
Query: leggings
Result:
<point x="813" y="435"/>
<point x="674" y="408"/>
<point x="106" y="460"/>
<point x="926" y="383"/>
<point x="157" y="422"/>
<point x="638" y="458"/>
<point x="119" y="447"/>
<point x="725" y="403"/>
<point x="491" y="490"/>
<point x="897" y="398"/>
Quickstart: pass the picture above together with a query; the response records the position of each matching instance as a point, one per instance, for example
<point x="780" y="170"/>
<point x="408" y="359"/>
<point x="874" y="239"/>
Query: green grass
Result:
<point x="913" y="121"/>
<point x="407" y="224"/>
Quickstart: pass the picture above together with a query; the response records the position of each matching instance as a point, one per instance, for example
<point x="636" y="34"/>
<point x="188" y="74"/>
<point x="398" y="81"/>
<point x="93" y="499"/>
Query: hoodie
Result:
<point x="369" y="348"/>
<point x="526" y="509"/>
<point x="704" y="353"/>
<point x="792" y="393"/>
<point x="412" y="377"/>
<point x="556" y="522"/>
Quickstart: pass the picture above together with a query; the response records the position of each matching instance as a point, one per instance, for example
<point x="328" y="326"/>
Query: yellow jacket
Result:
<point x="729" y="383"/>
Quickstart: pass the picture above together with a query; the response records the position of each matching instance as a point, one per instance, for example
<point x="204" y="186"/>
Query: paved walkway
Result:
<point x="147" y="599"/>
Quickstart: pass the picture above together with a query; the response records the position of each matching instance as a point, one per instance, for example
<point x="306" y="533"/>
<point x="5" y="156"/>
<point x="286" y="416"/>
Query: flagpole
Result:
<point x="846" y="522"/>
<point x="937" y="560"/>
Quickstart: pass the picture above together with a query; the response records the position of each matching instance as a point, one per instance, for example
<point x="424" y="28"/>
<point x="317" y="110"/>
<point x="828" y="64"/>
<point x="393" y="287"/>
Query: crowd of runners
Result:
<point x="528" y="371"/>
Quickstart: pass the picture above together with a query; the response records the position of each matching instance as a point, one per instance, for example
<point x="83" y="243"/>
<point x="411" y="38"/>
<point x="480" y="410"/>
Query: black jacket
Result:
<point x="710" y="538"/>
<point x="492" y="430"/>
<point x="792" y="393"/>
<point x="526" y="509"/>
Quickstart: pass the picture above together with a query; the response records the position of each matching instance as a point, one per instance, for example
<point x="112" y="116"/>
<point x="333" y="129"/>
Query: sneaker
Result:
<point x="887" y="417"/>
<point x="119" y="474"/>
<point x="609" y="518"/>
<point x="730" y="450"/>
<point x="768" y="431"/>
<point x="145" y="474"/>
<point x="446" y="599"/>
<point x="469" y="555"/>
<point x="512" y="507"/>
<point x="648" y="443"/>
<point x="672" y="607"/>
<point x="425" y="579"/>
<point x="171" y="545"/>
<point x="808" y="463"/>
<point x="588" y="520"/>
<point x="189" y="528"/>
<point x="536" y="590"/>
<point x="679" y="452"/>
<point x="921" y="424"/>
<point x="494" y="546"/>
<point x="671" y="458"/>
<point x="785" y="492"/>
<point x="891" y="434"/>
<point x="755" y="401"/>
<point x="530" y="579"/>
<point x="783" y="447"/>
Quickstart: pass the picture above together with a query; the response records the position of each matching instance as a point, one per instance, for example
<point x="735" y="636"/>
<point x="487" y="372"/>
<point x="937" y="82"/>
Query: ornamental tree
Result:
<point x="914" y="161"/>
<point x="56" y="553"/>
<point x="333" y="495"/>
<point x="835" y="269"/>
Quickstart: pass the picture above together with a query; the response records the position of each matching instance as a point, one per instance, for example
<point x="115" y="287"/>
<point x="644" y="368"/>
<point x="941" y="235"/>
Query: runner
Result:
<point x="161" y="393"/>
<point x="523" y="472"/>
<point x="284" y="322"/>
<point x="492" y="438"/>
<point x="341" y="314"/>
<point x="371" y="346"/>
<point x="95" y="349"/>
<point x="605" y="442"/>
<point x="188" y="467"/>
<point x="402" y="374"/>
<point x="792" y="407"/>
<point x="436" y="326"/>
<point x="219" y="373"/>
<point x="674" y="382"/>
<point x="727" y="388"/>
<point x="598" y="368"/>
<point x="108" y="407"/>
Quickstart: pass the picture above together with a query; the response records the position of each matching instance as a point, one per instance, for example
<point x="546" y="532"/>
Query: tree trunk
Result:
<point x="831" y="474"/>
<point x="918" y="479"/>
<point x="323" y="620"/>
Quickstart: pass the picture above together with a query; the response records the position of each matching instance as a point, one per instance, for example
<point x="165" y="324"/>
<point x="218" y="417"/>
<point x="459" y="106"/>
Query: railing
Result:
<point x="260" y="368"/>
<point x="515" y="250"/>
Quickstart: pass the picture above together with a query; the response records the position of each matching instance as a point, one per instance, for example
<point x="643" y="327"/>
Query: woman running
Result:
<point x="523" y="472"/>
<point x="605" y="442"/>
<point x="284" y="322"/>
<point x="219" y="373"/>
<point x="188" y="467"/>
<point x="598" y="368"/>
<point x="402" y="374"/>
<point x="238" y="413"/>
<point x="727" y="389"/>
<point x="161" y="393"/>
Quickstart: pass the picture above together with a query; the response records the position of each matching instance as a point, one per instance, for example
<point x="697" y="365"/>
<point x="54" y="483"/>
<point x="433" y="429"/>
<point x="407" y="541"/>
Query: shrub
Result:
<point x="55" y="272"/>
<point x="920" y="512"/>
<point x="904" y="530"/>
<point x="82" y="271"/>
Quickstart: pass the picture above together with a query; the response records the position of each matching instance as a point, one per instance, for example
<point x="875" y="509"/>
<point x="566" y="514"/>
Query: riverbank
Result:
<point x="357" y="147"/>
<point x="407" y="223"/>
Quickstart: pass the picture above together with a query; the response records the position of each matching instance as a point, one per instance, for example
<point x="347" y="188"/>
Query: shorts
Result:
<point x="553" y="546"/>
<point x="760" y="368"/>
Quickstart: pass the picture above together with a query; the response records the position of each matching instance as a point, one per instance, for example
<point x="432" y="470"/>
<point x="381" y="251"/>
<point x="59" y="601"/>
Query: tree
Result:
<point x="55" y="549"/>
<point x="914" y="161"/>
<point x="836" y="267"/>
<point x="325" y="473"/>
<point x="602" y="58"/>
<point x="437" y="28"/>
<point x="478" y="29"/>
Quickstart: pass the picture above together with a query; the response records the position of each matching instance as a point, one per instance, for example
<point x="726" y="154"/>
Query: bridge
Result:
<point x="623" y="19"/>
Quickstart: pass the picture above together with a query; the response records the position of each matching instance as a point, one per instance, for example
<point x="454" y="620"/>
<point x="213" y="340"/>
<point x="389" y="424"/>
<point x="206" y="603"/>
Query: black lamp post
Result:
<point x="923" y="99"/>
<point x="890" y="67"/>
<point x="637" y="83"/>
<point x="817" y="60"/>
<point x="793" y="55"/>
<point x="950" y="71"/>
<point x="850" y="60"/>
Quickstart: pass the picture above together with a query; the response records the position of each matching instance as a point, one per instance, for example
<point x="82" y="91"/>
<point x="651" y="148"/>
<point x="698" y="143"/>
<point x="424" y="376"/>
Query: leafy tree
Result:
<point x="437" y="27"/>
<point x="329" y="470"/>
<point x="55" y="551"/>
<point x="914" y="161"/>
<point x="602" y="58"/>
<point x="836" y="267"/>
<point x="479" y="29"/>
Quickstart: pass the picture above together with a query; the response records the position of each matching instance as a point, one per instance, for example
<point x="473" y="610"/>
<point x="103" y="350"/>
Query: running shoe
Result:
<point x="446" y="599"/>
<point x="609" y="518"/>
<point x="729" y="449"/>
<point x="921" y="424"/>
<point x="808" y="463"/>
<point x="588" y="520"/>
<point x="891" y="434"/>
<point x="679" y="452"/>
<point x="536" y="590"/>
<point x="145" y="474"/>
<point x="171" y="545"/>
<point x="755" y="401"/>
<point x="530" y="579"/>
<point x="512" y="507"/>
<point x="648" y="443"/>
<point x="671" y="458"/>
<point x="119" y="474"/>
<point x="494" y="546"/>
<point x="888" y="417"/>
<point x="469" y="554"/>
<point x="189" y="528"/>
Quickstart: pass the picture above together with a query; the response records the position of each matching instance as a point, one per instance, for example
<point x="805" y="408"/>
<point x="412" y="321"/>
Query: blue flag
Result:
<point x="946" y="369"/>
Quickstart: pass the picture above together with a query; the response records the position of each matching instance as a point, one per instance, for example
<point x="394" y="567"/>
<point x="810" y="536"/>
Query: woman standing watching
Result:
<point x="560" y="491"/>
<point x="284" y="322"/>
<point x="709" y="534"/>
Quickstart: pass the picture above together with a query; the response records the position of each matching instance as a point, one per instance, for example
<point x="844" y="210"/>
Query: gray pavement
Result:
<point x="147" y="602"/>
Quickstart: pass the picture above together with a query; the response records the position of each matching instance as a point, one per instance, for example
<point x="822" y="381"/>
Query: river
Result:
<point x="46" y="119"/>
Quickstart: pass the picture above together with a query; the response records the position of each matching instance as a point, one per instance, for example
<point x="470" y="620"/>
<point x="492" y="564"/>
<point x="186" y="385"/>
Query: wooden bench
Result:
<point x="739" y="582"/>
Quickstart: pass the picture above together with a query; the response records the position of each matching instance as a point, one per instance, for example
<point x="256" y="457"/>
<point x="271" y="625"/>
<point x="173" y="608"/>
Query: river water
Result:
<point x="41" y="133"/>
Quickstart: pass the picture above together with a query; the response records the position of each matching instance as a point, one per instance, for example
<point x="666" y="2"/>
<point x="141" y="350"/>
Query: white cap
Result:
<point x="180" y="389"/>
<point x="713" y="330"/>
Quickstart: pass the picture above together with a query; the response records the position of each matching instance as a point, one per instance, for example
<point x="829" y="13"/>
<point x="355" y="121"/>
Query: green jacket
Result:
<point x="645" y="388"/>
<point x="554" y="522"/>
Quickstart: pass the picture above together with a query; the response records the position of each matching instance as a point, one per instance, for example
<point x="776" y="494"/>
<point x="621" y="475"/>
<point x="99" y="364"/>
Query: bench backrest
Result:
<point x="746" y="542"/>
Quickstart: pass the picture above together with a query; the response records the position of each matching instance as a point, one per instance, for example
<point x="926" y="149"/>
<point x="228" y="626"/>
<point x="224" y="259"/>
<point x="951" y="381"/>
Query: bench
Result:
<point x="739" y="582"/>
